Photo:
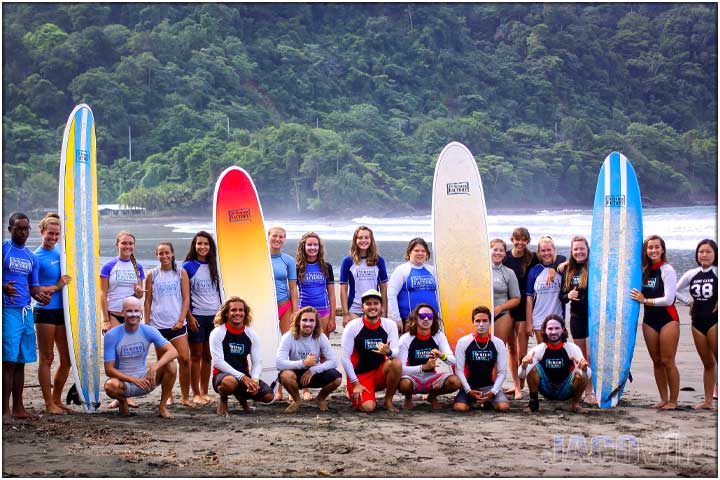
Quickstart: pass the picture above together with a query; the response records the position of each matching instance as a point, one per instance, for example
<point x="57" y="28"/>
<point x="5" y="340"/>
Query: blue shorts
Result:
<point x="18" y="335"/>
<point x="206" y="323"/>
<point x="555" y="391"/>
<point x="132" y="390"/>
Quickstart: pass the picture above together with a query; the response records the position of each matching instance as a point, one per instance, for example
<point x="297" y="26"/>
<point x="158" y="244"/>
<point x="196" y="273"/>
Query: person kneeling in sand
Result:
<point x="555" y="368"/>
<point x="420" y="348"/>
<point x="298" y="359"/>
<point x="367" y="348"/>
<point x="126" y="350"/>
<point x="478" y="355"/>
<point x="232" y="341"/>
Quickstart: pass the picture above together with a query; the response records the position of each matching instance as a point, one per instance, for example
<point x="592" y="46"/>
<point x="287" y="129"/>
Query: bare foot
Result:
<point x="706" y="405"/>
<point x="64" y="407"/>
<point x="408" y="403"/>
<point x="22" y="414"/>
<point x="114" y="404"/>
<point x="53" y="409"/>
<point x="660" y="404"/>
<point x="577" y="408"/>
<point x="510" y="391"/>
<point x="163" y="411"/>
<point x="293" y="407"/>
<point x="132" y="403"/>
<point x="278" y="397"/>
<point x="207" y="398"/>
<point x="590" y="399"/>
<point x="307" y="395"/>
<point x="669" y="406"/>
<point x="322" y="404"/>
<point x="391" y="408"/>
<point x="222" y="407"/>
<point x="518" y="394"/>
<point x="186" y="402"/>
<point x="169" y="401"/>
<point x="199" y="400"/>
<point x="434" y="403"/>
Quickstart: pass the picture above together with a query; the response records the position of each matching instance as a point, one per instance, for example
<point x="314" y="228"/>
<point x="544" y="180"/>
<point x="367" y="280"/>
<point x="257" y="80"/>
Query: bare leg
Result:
<point x="166" y="378"/>
<point x="289" y="380"/>
<point x="18" y="410"/>
<point x="196" y="350"/>
<point x="63" y="370"/>
<point x="406" y="388"/>
<point x="205" y="368"/>
<point x="579" y="383"/>
<point x="584" y="345"/>
<point x="183" y="349"/>
<point x="46" y="353"/>
<point x="652" y="340"/>
<point x="325" y="391"/>
<point x="452" y="384"/>
<point x="8" y="375"/>
<point x="522" y="346"/>
<point x="669" y="338"/>
<point x="392" y="370"/>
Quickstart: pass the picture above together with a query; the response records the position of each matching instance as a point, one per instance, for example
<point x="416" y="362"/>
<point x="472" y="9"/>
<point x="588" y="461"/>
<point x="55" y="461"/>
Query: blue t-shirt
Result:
<point x="313" y="286"/>
<point x="21" y="266"/>
<point x="49" y="274"/>
<point x="129" y="351"/>
<point x="284" y="271"/>
<point x="361" y="278"/>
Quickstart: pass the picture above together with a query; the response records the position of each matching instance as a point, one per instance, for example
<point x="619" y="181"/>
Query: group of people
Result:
<point x="392" y="331"/>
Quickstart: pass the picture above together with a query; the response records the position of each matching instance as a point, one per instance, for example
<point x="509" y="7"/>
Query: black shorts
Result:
<point x="49" y="316"/>
<point x="117" y="317"/>
<point x="241" y="391"/>
<point x="702" y="324"/>
<point x="518" y="313"/>
<point x="170" y="334"/>
<point x="319" y="380"/>
<point x="578" y="327"/>
<point x="206" y="324"/>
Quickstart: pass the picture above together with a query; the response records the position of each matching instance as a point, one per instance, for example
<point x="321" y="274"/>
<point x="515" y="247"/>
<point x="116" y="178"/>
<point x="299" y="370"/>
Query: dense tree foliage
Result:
<point x="331" y="106"/>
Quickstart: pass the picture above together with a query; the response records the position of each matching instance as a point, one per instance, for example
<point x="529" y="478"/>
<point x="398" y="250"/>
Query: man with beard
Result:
<point x="555" y="368"/>
<point x="306" y="358"/>
<point x="369" y="349"/>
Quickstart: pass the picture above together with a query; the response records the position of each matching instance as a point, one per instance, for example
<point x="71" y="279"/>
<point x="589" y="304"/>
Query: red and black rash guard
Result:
<point x="415" y="351"/>
<point x="659" y="284"/>
<point x="476" y="358"/>
<point x="230" y="349"/>
<point x="359" y="339"/>
<point x="555" y="360"/>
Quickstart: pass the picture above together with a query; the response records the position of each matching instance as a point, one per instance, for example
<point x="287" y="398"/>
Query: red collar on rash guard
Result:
<point x="233" y="330"/>
<point x="481" y="339"/>
<point x="555" y="347"/>
<point x="656" y="265"/>
<point x="371" y="326"/>
<point x="419" y="336"/>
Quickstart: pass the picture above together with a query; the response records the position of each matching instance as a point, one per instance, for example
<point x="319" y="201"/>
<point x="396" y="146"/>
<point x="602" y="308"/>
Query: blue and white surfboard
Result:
<point x="80" y="253"/>
<point x="615" y="268"/>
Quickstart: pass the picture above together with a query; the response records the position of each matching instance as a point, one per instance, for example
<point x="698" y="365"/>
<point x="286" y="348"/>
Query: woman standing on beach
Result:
<point x="543" y="288"/>
<point x="703" y="283"/>
<point x="661" y="324"/>
<point x="574" y="290"/>
<point x="316" y="280"/>
<point x="506" y="296"/>
<point x="121" y="277"/>
<point x="166" y="308"/>
<point x="285" y="274"/>
<point x="363" y="269"/>
<point x="520" y="260"/>
<point x="50" y="318"/>
<point x="201" y="267"/>
<point x="412" y="283"/>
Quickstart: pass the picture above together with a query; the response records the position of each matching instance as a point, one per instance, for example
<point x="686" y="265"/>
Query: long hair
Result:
<point x="646" y="262"/>
<point x="412" y="320"/>
<point x="574" y="267"/>
<point x="372" y="251"/>
<point x="133" y="260"/>
<point x="546" y="239"/>
<point x="301" y="257"/>
<point x="221" y="316"/>
<point x="415" y="242"/>
<point x="172" y="249"/>
<point x="522" y="233"/>
<point x="296" y="322"/>
<point x="211" y="257"/>
<point x="712" y="244"/>
<point x="558" y="318"/>
<point x="49" y="219"/>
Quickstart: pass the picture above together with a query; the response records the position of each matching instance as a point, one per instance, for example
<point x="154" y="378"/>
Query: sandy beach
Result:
<point x="631" y="440"/>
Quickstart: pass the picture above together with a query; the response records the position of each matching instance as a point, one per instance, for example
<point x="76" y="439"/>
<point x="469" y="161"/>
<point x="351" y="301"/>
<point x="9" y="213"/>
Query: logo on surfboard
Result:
<point x="82" y="156"/>
<point x="239" y="215"/>
<point x="458" y="188"/>
<point x="614" y="200"/>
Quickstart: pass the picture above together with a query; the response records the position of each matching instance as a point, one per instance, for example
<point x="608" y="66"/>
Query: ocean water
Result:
<point x="681" y="227"/>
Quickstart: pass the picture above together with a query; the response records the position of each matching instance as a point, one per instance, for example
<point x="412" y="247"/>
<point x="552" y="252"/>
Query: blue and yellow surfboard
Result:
<point x="80" y="253"/>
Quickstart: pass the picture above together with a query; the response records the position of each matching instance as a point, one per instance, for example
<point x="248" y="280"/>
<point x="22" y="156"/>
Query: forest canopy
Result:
<point x="334" y="106"/>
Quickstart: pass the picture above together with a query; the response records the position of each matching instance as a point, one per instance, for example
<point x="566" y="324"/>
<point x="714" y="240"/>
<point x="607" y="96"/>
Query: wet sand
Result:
<point x="631" y="440"/>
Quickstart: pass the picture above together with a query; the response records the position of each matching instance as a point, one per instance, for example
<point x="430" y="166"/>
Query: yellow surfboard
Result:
<point x="80" y="253"/>
<point x="460" y="240"/>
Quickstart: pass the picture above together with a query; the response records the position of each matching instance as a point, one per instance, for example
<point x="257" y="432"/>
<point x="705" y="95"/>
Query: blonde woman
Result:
<point x="543" y="288"/>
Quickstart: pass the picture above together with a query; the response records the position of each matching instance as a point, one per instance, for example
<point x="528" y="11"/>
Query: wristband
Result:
<point x="443" y="357"/>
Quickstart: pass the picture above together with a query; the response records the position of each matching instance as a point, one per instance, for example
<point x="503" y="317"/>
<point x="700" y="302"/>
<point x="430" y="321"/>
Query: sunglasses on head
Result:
<point x="426" y="316"/>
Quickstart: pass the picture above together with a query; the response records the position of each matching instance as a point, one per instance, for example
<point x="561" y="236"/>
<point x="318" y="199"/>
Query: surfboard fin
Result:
<point x="72" y="396"/>
<point x="630" y="376"/>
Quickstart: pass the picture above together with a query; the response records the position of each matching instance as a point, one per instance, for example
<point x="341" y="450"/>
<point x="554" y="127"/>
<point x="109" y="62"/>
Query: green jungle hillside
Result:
<point x="333" y="107"/>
